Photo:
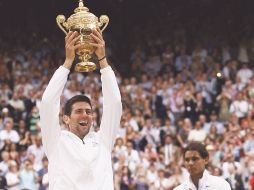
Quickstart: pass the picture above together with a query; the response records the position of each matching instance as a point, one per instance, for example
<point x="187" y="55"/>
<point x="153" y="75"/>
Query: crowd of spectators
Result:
<point x="172" y="97"/>
<point x="176" y="90"/>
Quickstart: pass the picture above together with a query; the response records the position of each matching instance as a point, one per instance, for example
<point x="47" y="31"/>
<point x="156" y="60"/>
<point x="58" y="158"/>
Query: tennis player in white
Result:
<point x="80" y="159"/>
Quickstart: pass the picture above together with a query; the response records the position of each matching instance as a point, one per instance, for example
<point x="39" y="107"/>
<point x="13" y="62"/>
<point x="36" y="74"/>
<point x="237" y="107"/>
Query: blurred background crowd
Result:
<point x="185" y="71"/>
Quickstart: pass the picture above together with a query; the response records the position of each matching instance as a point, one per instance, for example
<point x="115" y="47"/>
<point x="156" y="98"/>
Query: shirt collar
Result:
<point x="72" y="135"/>
<point x="203" y="182"/>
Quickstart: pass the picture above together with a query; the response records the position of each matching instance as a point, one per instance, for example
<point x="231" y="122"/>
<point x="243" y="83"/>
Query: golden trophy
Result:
<point x="83" y="22"/>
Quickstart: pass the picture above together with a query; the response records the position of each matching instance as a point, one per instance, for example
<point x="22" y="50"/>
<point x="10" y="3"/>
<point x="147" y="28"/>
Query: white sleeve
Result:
<point x="15" y="137"/>
<point x="112" y="107"/>
<point x="49" y="110"/>
<point x="232" y="107"/>
<point x="190" y="136"/>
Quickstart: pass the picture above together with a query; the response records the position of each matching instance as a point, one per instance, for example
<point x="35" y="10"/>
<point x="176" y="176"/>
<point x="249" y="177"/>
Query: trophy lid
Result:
<point x="81" y="7"/>
<point x="81" y="18"/>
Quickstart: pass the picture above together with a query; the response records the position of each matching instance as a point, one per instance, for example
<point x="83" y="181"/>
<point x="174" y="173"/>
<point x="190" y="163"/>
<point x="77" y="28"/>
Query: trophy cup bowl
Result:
<point x="83" y="22"/>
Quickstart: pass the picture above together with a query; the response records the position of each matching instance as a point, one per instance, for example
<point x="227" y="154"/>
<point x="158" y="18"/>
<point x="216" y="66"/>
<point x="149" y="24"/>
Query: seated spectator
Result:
<point x="12" y="176"/>
<point x="37" y="151"/>
<point x="8" y="135"/>
<point x="33" y="121"/>
<point x="4" y="164"/>
<point x="214" y="122"/>
<point x="161" y="182"/>
<point x="239" y="106"/>
<point x="245" y="73"/>
<point x="197" y="134"/>
<point x="131" y="156"/>
<point x="126" y="182"/>
<point x="28" y="176"/>
<point x="170" y="150"/>
<point x="178" y="176"/>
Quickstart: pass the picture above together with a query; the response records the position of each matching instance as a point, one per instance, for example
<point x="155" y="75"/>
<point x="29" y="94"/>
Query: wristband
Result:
<point x="102" y="58"/>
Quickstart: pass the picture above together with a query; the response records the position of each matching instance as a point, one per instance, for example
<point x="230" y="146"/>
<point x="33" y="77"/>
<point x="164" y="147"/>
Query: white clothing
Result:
<point x="17" y="104"/>
<point x="219" y="126"/>
<point x="12" y="179"/>
<point x="38" y="155"/>
<point x="133" y="159"/>
<point x="119" y="150"/>
<point x="226" y="167"/>
<point x="239" y="107"/>
<point x="75" y="164"/>
<point x="134" y="124"/>
<point x="11" y="135"/>
<point x="169" y="151"/>
<point x="155" y="132"/>
<point x="151" y="176"/>
<point x="245" y="74"/>
<point x="207" y="182"/>
<point x="161" y="184"/>
<point x="4" y="167"/>
<point x="197" y="135"/>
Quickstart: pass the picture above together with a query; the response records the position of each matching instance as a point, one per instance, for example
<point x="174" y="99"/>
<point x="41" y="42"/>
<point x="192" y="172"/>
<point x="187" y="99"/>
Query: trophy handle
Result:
<point x="60" y="20"/>
<point x="104" y="20"/>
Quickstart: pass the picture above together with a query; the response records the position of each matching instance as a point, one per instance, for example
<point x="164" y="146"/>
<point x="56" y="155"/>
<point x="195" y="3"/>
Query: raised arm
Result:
<point x="112" y="105"/>
<point x="49" y="110"/>
<point x="50" y="104"/>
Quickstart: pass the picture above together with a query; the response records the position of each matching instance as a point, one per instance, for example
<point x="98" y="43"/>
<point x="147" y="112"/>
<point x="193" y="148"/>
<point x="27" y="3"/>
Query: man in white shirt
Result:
<point x="8" y="134"/>
<point x="132" y="156"/>
<point x="4" y="164"/>
<point x="240" y="106"/>
<point x="170" y="150"/>
<point x="37" y="151"/>
<point x="245" y="73"/>
<point x="196" y="158"/>
<point x="214" y="122"/>
<point x="78" y="157"/>
<point x="198" y="133"/>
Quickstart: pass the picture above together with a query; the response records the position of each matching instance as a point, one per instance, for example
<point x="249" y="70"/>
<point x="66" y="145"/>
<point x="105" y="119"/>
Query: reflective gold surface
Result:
<point x="83" y="22"/>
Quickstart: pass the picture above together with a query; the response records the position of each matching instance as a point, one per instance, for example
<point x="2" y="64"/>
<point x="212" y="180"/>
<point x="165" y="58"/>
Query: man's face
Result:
<point x="213" y="117"/>
<point x="129" y="146"/>
<point x="8" y="126"/>
<point x="45" y="163"/>
<point x="194" y="163"/>
<point x="168" y="140"/>
<point x="38" y="141"/>
<point x="80" y="120"/>
<point x="198" y="125"/>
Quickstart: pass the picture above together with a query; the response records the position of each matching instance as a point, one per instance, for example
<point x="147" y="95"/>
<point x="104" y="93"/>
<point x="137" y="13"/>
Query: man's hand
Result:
<point x="70" y="47"/>
<point x="99" y="44"/>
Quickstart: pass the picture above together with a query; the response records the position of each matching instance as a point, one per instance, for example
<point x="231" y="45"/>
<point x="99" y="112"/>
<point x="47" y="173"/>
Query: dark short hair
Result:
<point x="197" y="146"/>
<point x="44" y="159"/>
<point x="73" y="100"/>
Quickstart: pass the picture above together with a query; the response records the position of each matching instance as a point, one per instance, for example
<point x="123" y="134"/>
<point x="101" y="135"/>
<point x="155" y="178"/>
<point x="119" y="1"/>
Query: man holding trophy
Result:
<point x="80" y="159"/>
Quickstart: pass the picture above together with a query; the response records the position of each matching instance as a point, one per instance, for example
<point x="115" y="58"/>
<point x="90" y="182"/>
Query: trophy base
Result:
<point x="85" y="66"/>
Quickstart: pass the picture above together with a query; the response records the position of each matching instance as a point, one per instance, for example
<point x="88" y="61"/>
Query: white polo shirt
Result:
<point x="75" y="164"/>
<point x="207" y="182"/>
